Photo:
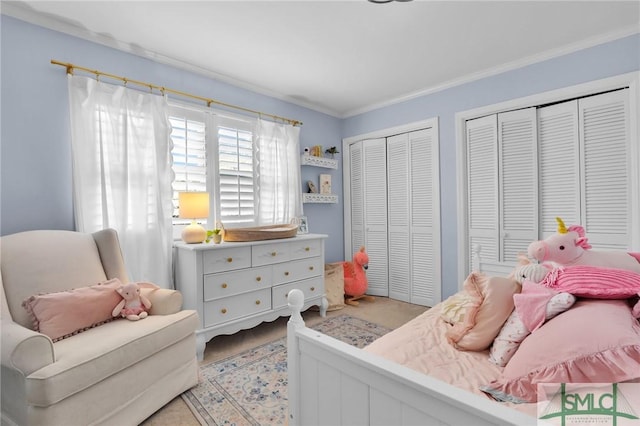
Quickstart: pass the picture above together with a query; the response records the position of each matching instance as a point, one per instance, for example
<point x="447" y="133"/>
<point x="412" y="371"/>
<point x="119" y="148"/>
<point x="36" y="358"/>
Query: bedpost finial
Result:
<point x="295" y="301"/>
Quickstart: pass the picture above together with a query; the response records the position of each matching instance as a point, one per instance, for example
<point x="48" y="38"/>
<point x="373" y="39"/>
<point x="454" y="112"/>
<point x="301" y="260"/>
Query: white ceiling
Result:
<point x="340" y="57"/>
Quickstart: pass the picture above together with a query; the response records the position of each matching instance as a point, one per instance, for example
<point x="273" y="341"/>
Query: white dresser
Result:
<point x="238" y="285"/>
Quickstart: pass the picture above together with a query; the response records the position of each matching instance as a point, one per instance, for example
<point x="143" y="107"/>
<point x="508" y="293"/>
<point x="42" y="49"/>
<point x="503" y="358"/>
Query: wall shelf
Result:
<point x="311" y="160"/>
<point x="319" y="198"/>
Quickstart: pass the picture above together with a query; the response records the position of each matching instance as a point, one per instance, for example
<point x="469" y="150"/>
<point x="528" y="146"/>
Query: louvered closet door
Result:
<point x="375" y="215"/>
<point x="400" y="261"/>
<point x="356" y="182"/>
<point x="424" y="218"/>
<point x="604" y="137"/>
<point x="559" y="176"/>
<point x="482" y="187"/>
<point x="518" y="188"/>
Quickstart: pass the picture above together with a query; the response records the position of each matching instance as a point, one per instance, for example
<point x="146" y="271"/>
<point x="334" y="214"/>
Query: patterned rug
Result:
<point x="251" y="388"/>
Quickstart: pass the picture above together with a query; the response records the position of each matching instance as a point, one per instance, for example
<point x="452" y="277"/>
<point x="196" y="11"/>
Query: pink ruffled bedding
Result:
<point x="596" y="341"/>
<point x="421" y="345"/>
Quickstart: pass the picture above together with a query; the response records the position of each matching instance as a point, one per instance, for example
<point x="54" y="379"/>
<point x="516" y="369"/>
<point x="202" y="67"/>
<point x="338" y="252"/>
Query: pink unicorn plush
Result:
<point x="584" y="272"/>
<point x="569" y="246"/>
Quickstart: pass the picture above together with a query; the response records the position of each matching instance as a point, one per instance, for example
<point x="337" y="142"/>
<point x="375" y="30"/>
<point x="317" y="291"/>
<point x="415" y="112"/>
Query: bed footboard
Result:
<point x="333" y="383"/>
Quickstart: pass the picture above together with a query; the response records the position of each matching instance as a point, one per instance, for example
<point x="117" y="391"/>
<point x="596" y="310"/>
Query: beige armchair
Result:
<point x="118" y="373"/>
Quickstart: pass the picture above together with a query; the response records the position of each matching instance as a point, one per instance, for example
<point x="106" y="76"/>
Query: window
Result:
<point x="214" y="153"/>
<point x="236" y="197"/>
<point x="188" y="134"/>
<point x="218" y="153"/>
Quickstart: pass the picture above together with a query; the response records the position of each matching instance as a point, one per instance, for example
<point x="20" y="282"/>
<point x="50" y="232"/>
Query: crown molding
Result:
<point x="530" y="60"/>
<point x="21" y="11"/>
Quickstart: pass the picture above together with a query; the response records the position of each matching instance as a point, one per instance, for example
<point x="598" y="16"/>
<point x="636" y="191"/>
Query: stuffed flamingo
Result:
<point x="355" y="278"/>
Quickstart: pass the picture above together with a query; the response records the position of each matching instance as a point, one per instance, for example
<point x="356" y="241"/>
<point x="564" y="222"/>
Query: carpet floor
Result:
<point x="251" y="388"/>
<point x="387" y="312"/>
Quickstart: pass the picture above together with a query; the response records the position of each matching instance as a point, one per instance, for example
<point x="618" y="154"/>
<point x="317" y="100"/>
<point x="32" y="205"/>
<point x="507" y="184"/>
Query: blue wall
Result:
<point x="609" y="59"/>
<point x="35" y="173"/>
<point x="36" y="188"/>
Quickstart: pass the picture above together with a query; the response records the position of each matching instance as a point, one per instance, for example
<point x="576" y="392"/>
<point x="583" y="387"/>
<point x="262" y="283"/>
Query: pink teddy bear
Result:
<point x="134" y="305"/>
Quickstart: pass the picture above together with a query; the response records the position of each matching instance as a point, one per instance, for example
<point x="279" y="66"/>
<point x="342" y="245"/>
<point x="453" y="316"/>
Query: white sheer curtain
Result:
<point x="279" y="181"/>
<point x="122" y="172"/>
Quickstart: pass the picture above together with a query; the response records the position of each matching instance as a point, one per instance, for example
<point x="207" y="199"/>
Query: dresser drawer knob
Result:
<point x="311" y="268"/>
<point x="224" y="285"/>
<point x="257" y="302"/>
<point x="229" y="259"/>
<point x="313" y="289"/>
<point x="223" y="310"/>
<point x="307" y="249"/>
<point x="273" y="253"/>
<point x="258" y="279"/>
<point x="286" y="273"/>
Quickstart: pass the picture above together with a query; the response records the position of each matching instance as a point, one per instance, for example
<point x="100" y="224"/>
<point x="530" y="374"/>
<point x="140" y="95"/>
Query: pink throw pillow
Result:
<point x="596" y="341"/>
<point x="491" y="306"/>
<point x="594" y="282"/>
<point x="63" y="314"/>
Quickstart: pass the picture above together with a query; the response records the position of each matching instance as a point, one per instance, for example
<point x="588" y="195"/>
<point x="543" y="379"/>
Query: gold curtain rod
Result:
<point x="71" y="67"/>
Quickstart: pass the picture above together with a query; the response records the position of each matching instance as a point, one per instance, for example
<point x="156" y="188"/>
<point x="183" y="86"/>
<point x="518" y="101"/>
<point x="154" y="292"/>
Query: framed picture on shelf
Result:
<point x="303" y="226"/>
<point x="325" y="184"/>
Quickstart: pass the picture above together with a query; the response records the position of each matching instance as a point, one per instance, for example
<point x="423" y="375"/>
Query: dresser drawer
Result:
<point x="297" y="270"/>
<point x="268" y="254"/>
<point x="242" y="305"/>
<point x="227" y="259"/>
<point x="307" y="248"/>
<point x="311" y="288"/>
<point x="236" y="282"/>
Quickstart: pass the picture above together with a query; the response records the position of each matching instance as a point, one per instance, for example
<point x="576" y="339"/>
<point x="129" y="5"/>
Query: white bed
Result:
<point x="333" y="383"/>
<point x="412" y="376"/>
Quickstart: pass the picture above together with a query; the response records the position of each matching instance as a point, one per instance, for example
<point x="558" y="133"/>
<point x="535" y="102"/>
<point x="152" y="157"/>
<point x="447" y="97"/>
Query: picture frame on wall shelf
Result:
<point x="303" y="226"/>
<point x="325" y="184"/>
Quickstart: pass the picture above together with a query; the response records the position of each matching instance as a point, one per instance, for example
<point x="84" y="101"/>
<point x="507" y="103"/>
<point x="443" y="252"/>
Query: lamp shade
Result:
<point x="193" y="205"/>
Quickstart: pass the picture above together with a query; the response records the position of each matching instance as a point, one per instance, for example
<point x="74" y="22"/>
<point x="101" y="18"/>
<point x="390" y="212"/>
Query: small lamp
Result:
<point x="193" y="205"/>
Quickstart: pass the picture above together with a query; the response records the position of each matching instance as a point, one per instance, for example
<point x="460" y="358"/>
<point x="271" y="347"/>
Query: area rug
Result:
<point x="251" y="388"/>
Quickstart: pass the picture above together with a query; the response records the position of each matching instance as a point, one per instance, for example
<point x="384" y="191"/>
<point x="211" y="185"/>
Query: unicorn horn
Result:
<point x="561" y="228"/>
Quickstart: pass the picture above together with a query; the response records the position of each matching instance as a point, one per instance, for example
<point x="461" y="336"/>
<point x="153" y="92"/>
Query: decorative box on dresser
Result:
<point x="238" y="285"/>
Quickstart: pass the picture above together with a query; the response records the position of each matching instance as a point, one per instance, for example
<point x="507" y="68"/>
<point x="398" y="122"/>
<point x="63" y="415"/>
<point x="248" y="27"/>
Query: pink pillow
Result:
<point x="596" y="341"/>
<point x="63" y="314"/>
<point x="492" y="303"/>
<point x="594" y="282"/>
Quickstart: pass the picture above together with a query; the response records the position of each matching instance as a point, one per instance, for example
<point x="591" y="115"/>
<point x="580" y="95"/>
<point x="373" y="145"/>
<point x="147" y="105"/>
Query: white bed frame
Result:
<point x="334" y="383"/>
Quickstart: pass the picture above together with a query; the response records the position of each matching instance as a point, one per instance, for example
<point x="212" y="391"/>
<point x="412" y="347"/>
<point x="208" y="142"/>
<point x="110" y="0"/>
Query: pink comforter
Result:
<point x="421" y="345"/>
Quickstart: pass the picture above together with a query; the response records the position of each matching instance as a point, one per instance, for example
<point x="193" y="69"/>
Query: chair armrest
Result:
<point x="163" y="301"/>
<point x="25" y="350"/>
